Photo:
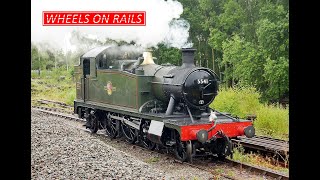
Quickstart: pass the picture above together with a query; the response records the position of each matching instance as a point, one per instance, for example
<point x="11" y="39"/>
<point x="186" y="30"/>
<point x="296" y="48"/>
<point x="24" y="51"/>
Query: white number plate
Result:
<point x="203" y="81"/>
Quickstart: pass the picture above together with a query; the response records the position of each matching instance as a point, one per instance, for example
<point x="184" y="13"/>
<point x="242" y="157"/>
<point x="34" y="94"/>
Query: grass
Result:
<point x="55" y="85"/>
<point x="239" y="102"/>
<point x="218" y="173"/>
<point x="257" y="159"/>
<point x="271" y="120"/>
<point x="231" y="174"/>
<point x="152" y="160"/>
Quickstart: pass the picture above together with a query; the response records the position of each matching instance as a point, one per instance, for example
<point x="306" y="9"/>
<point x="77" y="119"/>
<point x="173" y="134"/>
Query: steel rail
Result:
<point x="241" y="165"/>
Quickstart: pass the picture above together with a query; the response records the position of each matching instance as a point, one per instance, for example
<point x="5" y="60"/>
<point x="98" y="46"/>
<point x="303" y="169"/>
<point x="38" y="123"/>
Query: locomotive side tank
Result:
<point x="167" y="106"/>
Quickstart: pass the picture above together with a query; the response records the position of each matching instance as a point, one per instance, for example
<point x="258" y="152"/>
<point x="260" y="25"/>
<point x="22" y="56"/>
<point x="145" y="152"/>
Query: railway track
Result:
<point x="276" y="147"/>
<point x="264" y="143"/>
<point x="230" y="162"/>
<point x="61" y="104"/>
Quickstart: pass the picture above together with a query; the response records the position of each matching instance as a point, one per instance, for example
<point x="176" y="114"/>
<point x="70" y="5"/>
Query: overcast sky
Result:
<point x="158" y="15"/>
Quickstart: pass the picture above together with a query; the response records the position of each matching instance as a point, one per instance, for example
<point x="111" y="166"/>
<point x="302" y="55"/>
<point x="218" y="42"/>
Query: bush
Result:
<point x="273" y="121"/>
<point x="237" y="101"/>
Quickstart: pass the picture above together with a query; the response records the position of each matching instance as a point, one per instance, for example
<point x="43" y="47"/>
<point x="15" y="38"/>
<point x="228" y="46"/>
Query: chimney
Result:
<point x="188" y="57"/>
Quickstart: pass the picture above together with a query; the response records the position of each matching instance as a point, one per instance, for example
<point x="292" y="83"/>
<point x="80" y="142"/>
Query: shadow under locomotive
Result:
<point x="153" y="104"/>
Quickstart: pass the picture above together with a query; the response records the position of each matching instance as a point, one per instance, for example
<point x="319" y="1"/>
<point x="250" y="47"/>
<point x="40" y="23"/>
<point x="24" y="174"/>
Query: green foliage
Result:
<point x="45" y="57"/>
<point x="237" y="101"/>
<point x="245" y="63"/>
<point x="232" y="17"/>
<point x="277" y="74"/>
<point x="165" y="54"/>
<point x="56" y="85"/>
<point x="273" y="121"/>
<point x="70" y="96"/>
<point x="216" y="39"/>
<point x="256" y="159"/>
<point x="273" y="36"/>
<point x="251" y="41"/>
<point x="242" y="101"/>
<point x="238" y="155"/>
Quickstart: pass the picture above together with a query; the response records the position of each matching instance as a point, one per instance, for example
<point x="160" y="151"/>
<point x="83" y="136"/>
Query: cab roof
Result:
<point x="95" y="52"/>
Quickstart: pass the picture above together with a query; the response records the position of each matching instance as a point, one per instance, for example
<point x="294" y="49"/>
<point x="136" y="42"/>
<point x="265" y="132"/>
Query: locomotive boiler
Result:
<point x="164" y="106"/>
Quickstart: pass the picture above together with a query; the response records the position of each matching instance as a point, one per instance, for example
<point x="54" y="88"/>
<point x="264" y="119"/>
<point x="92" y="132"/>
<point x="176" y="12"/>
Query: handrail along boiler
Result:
<point x="155" y="105"/>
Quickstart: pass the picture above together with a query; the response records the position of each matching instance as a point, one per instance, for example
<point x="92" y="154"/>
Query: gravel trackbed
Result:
<point x="61" y="152"/>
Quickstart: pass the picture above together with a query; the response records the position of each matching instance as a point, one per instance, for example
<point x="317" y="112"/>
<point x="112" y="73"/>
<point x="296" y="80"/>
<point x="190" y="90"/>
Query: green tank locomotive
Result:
<point x="164" y="105"/>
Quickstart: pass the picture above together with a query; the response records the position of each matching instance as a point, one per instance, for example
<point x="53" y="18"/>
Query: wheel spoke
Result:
<point x="111" y="128"/>
<point x="132" y="133"/>
<point x="129" y="133"/>
<point x="180" y="150"/>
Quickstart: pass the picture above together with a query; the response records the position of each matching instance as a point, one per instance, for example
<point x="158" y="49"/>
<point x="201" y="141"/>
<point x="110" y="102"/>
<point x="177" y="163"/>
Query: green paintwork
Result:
<point x="128" y="91"/>
<point x="144" y="89"/>
<point x="122" y="88"/>
<point x="113" y="87"/>
<point x="78" y="75"/>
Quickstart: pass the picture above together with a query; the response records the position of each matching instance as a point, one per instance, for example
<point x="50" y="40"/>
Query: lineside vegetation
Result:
<point x="272" y="120"/>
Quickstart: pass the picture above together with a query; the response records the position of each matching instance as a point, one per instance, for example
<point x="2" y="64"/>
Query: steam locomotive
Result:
<point x="162" y="106"/>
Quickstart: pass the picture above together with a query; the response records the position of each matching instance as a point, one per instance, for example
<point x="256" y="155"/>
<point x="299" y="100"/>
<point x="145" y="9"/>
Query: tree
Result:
<point x="245" y="61"/>
<point x="273" y="36"/>
<point x="166" y="54"/>
<point x="34" y="57"/>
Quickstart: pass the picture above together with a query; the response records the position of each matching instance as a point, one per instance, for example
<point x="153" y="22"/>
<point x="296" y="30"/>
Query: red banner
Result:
<point x="93" y="18"/>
